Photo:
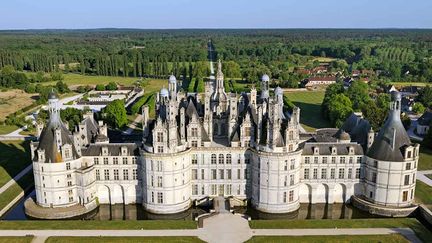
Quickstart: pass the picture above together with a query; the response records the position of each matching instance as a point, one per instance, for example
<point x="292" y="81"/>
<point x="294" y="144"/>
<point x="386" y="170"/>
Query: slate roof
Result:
<point x="113" y="148"/>
<point x="357" y="127"/>
<point x="325" y="148"/>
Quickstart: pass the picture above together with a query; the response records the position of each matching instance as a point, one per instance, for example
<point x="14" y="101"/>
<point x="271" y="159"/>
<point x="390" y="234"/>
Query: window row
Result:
<point x="218" y="189"/>
<point x="324" y="173"/>
<point x="333" y="160"/>
<point x="115" y="160"/>
<point x="116" y="174"/>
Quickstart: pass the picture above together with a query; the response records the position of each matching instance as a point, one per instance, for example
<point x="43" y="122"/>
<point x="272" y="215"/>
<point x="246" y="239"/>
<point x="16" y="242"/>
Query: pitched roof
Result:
<point x="113" y="148"/>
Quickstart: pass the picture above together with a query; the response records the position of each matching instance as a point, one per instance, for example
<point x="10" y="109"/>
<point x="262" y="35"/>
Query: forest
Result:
<point x="398" y="55"/>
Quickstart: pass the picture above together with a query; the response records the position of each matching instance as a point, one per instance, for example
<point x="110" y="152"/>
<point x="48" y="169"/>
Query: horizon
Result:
<point x="193" y="14"/>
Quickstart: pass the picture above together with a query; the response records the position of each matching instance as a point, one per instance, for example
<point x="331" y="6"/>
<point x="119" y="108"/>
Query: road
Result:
<point x="421" y="175"/>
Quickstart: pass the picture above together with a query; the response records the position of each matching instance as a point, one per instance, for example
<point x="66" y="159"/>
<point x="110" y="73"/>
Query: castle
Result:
<point x="247" y="147"/>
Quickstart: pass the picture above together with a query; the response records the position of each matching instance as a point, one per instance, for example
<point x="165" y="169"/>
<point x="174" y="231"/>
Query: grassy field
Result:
<point x="394" y="238"/>
<point x="154" y="239"/>
<point x="98" y="225"/>
<point x="429" y="176"/>
<point x="400" y="84"/>
<point x="14" y="100"/>
<point x="13" y="239"/>
<point x="15" y="156"/>
<point x="425" y="160"/>
<point x="423" y="194"/>
<point x="309" y="103"/>
<point x="5" y="129"/>
<point x="421" y="231"/>
<point x="73" y="79"/>
<point x="12" y="192"/>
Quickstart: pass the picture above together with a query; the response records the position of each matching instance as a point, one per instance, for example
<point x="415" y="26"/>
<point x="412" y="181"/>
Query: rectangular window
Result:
<point x="98" y="175"/>
<point x="115" y="160"/>
<point x="333" y="160"/>
<point x="152" y="197"/>
<point x="286" y="165"/>
<point x="194" y="132"/>
<point x="213" y="171"/>
<point x="228" y="158"/>
<point x="306" y="174"/>
<point x="238" y="174"/>
<point x="307" y="160"/>
<point x="221" y="174"/>
<point x="228" y="189"/>
<point x="375" y="164"/>
<point x="159" y="181"/>
<point x="221" y="158"/>
<point x="194" y="159"/>
<point x="374" y="177"/>
<point x="159" y="166"/>
<point x="359" y="160"/>
<point x="229" y="174"/>
<point x="323" y="173"/>
<point x="292" y="164"/>
<point x="68" y="167"/>
<point x="405" y="196"/>
<point x="286" y="181"/>
<point x="160" y="197"/>
<point x="194" y="143"/>
<point x="125" y="175"/>
<point x="292" y="180"/>
<point x="341" y="173"/>
<point x="194" y="174"/>
<point x="213" y="159"/>
<point x="315" y="173"/>
<point x="96" y="161"/>
<point x="106" y="175"/>
<point x="357" y="173"/>
<point x="134" y="174"/>
<point x="406" y="180"/>
<point x="315" y="160"/>
<point x="350" y="173"/>
<point x="351" y="160"/>
<point x="134" y="159"/>
<point x="291" y="196"/>
<point x="408" y="166"/>
<point x="116" y="174"/>
<point x="159" y="137"/>
<point x="284" y="197"/>
<point x="342" y="160"/>
<point x="194" y="189"/>
<point x="105" y="160"/>
<point x="202" y="174"/>
<point x="69" y="183"/>
<point x="324" y="160"/>
<point x="332" y="173"/>
<point x="125" y="160"/>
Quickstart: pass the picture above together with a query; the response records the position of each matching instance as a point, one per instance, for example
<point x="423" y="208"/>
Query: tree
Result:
<point x="425" y="96"/>
<point x="231" y="69"/>
<point x="62" y="87"/>
<point x="57" y="76"/>
<point x="100" y="87"/>
<point x="374" y="114"/>
<point x="427" y="140"/>
<point x="111" y="86"/>
<point x="340" y="107"/>
<point x="331" y="91"/>
<point x="358" y="93"/>
<point x="114" y="114"/>
<point x="418" y="108"/>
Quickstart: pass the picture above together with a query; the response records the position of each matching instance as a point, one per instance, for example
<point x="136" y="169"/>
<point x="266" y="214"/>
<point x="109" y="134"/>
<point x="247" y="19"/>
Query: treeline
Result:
<point x="396" y="54"/>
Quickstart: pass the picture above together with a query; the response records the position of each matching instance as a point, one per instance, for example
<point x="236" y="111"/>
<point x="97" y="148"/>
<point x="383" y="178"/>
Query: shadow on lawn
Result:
<point x="14" y="159"/>
<point x="310" y="115"/>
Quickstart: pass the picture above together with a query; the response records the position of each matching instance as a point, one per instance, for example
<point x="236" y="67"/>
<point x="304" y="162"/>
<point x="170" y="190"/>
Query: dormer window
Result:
<point x="104" y="151"/>
<point x="124" y="150"/>
<point x="67" y="154"/>
<point x="334" y="151"/>
<point x="316" y="150"/>
<point x="351" y="150"/>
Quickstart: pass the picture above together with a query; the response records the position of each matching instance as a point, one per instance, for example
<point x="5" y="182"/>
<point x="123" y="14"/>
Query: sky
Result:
<point x="176" y="14"/>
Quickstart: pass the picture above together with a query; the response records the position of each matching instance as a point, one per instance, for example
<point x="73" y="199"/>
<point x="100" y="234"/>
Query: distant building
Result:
<point x="319" y="81"/>
<point x="424" y="122"/>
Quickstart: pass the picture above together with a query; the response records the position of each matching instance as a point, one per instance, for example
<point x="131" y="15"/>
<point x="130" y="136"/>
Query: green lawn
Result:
<point x="394" y="238"/>
<point x="421" y="231"/>
<point x="13" y="239"/>
<point x="12" y="192"/>
<point x="103" y="239"/>
<point x="409" y="83"/>
<point x="425" y="160"/>
<point x="5" y="129"/>
<point x="15" y="156"/>
<point x="423" y="194"/>
<point x="78" y="79"/>
<point x="309" y="103"/>
<point x="98" y="225"/>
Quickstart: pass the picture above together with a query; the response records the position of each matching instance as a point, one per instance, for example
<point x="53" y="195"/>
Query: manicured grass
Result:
<point x="78" y="79"/>
<point x="309" y="103"/>
<point x="395" y="238"/>
<point x="5" y="129"/>
<point x="423" y="194"/>
<point x="398" y="84"/>
<point x="14" y="157"/>
<point x="99" y="225"/>
<point x="421" y="231"/>
<point x="12" y="192"/>
<point x="17" y="239"/>
<point x="153" y="239"/>
<point x="13" y="100"/>
<point x="425" y="160"/>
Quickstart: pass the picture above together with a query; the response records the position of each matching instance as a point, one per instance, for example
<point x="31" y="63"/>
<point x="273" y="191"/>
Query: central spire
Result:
<point x="220" y="78"/>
